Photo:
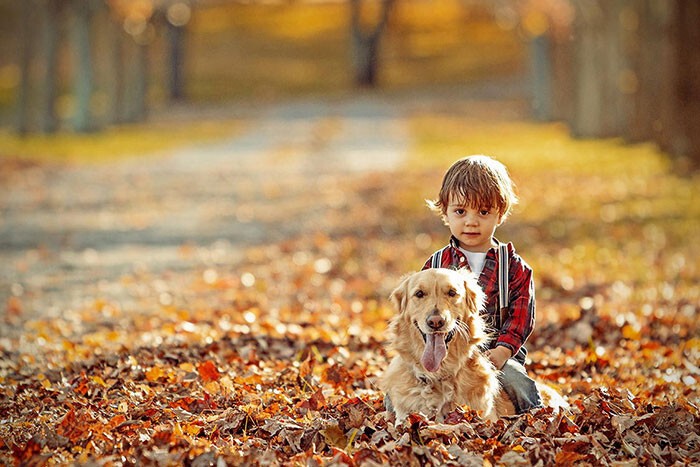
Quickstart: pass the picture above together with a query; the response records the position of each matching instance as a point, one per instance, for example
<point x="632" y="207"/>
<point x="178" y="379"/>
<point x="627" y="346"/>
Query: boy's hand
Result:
<point x="499" y="355"/>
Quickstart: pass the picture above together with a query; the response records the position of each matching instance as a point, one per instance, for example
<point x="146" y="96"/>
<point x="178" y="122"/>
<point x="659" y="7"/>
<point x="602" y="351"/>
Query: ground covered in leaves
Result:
<point x="274" y="359"/>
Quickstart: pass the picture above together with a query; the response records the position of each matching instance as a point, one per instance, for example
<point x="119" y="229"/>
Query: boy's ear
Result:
<point x="399" y="296"/>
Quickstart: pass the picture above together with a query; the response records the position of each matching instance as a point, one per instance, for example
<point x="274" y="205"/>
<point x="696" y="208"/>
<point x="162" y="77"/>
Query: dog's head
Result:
<point x="437" y="307"/>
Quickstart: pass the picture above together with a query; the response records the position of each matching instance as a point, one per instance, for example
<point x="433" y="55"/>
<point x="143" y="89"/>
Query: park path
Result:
<point x="70" y="235"/>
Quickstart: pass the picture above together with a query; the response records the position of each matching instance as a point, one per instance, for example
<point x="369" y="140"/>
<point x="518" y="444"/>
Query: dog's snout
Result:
<point x="435" y="321"/>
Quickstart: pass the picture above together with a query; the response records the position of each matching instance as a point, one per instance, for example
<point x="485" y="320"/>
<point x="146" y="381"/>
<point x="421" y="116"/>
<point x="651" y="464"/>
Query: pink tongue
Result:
<point x="435" y="351"/>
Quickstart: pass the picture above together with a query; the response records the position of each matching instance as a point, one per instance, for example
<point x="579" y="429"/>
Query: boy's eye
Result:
<point x="485" y="212"/>
<point x="459" y="211"/>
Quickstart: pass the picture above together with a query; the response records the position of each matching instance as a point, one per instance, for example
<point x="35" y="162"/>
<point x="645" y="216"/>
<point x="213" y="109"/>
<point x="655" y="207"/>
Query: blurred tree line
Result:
<point x="123" y="29"/>
<point x="607" y="67"/>
<point x="619" y="68"/>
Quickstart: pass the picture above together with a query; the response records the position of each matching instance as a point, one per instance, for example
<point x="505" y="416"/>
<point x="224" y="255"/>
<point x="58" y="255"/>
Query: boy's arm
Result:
<point x="499" y="355"/>
<point x="521" y="311"/>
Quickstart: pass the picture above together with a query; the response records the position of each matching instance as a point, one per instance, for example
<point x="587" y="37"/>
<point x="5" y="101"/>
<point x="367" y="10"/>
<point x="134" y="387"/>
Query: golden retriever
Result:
<point x="437" y="338"/>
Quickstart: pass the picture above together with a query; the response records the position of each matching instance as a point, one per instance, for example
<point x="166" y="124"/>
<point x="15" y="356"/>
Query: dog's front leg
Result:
<point x="447" y="403"/>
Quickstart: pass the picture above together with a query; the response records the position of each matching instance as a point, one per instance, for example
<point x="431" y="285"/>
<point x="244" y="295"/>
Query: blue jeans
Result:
<point x="521" y="389"/>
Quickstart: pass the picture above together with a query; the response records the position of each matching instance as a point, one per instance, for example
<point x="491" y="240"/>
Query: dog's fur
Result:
<point x="437" y="337"/>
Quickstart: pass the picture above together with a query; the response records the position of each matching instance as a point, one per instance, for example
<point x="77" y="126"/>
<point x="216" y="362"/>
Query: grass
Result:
<point x="115" y="143"/>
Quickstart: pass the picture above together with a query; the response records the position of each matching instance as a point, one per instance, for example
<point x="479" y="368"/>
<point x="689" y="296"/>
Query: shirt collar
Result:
<point x="454" y="243"/>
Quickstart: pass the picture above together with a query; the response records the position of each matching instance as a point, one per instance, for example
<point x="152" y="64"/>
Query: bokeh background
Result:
<point x="204" y="206"/>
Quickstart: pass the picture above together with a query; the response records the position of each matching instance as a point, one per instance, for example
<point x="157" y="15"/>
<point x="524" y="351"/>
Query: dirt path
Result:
<point x="72" y="234"/>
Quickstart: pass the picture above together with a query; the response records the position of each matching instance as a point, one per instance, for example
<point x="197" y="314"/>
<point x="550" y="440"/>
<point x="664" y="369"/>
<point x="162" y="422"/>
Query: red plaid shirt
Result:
<point x="520" y="319"/>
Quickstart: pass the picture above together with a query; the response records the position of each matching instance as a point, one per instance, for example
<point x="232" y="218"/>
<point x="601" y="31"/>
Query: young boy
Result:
<point x="476" y="197"/>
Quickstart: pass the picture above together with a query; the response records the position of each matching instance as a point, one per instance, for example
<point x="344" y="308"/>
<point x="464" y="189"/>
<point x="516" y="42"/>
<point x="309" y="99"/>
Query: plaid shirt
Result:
<point x="520" y="319"/>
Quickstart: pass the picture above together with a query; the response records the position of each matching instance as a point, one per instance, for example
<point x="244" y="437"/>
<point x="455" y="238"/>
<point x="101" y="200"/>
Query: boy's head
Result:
<point x="477" y="181"/>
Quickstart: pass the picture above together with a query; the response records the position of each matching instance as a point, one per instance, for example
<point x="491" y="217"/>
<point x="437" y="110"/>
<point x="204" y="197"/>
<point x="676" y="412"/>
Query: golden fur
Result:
<point x="428" y="376"/>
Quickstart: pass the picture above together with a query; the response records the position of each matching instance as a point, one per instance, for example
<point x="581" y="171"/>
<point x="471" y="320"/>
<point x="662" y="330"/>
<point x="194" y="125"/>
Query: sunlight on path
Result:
<point x="309" y="138"/>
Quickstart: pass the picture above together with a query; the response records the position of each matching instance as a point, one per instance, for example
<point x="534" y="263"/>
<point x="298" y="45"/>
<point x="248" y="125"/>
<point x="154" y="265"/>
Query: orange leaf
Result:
<point x="26" y="454"/>
<point x="340" y="456"/>
<point x="14" y="307"/>
<point x="192" y="429"/>
<point x="154" y="374"/>
<point x="208" y="371"/>
<point x="69" y="419"/>
<point x="629" y="332"/>
<point x="115" y="422"/>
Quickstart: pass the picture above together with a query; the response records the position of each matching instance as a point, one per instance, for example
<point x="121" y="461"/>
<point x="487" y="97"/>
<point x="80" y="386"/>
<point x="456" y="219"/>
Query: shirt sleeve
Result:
<point x="520" y="320"/>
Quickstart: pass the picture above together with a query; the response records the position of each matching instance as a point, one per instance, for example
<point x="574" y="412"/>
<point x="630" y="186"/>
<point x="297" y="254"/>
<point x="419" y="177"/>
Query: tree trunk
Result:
<point x="589" y="66"/>
<point x="619" y="81"/>
<point x="115" y="77"/>
<point x="365" y="44"/>
<point x="52" y="12"/>
<point x="141" y="83"/>
<point x="176" y="45"/>
<point x="639" y="127"/>
<point x="563" y="74"/>
<point x="688" y="84"/>
<point x="25" y="57"/>
<point x="137" y="85"/>
<point x="365" y="59"/>
<point x="541" y="63"/>
<point x="666" y="125"/>
<point x="83" y="75"/>
<point x="605" y="77"/>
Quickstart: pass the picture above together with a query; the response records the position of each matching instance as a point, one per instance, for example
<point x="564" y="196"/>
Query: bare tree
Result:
<point x="83" y="73"/>
<point x="177" y="14"/>
<point x="636" y="67"/>
<point x="25" y="57"/>
<point x="138" y="69"/>
<point x="687" y="47"/>
<point x="589" y="88"/>
<point x="366" y="41"/>
<point x="115" y="81"/>
<point x="52" y="18"/>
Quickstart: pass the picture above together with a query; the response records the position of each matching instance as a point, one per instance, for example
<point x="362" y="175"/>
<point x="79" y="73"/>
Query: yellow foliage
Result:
<point x="114" y="143"/>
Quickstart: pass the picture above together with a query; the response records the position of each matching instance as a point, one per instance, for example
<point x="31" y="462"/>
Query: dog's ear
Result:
<point x="475" y="298"/>
<point x="400" y="294"/>
<point x="475" y="301"/>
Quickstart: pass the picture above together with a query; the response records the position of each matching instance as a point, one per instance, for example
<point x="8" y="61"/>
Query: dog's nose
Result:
<point x="435" y="322"/>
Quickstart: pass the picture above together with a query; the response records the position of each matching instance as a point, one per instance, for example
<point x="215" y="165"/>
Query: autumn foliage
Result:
<point x="274" y="359"/>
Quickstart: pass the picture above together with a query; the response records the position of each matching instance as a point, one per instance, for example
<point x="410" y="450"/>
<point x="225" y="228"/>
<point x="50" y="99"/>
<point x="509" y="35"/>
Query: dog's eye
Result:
<point x="452" y="293"/>
<point x="419" y="294"/>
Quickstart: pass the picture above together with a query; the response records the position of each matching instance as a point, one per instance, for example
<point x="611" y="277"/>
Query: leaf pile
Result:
<point x="274" y="360"/>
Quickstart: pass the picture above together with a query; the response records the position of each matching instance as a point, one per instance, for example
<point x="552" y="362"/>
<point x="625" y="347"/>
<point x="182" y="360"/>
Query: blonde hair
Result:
<point x="477" y="181"/>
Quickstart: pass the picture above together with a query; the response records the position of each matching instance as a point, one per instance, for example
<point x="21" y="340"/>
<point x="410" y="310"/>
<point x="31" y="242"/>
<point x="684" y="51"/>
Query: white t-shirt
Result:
<point x="476" y="261"/>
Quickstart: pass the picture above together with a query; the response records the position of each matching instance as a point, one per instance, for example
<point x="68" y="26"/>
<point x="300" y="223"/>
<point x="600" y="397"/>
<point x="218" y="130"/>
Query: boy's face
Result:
<point x="473" y="226"/>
